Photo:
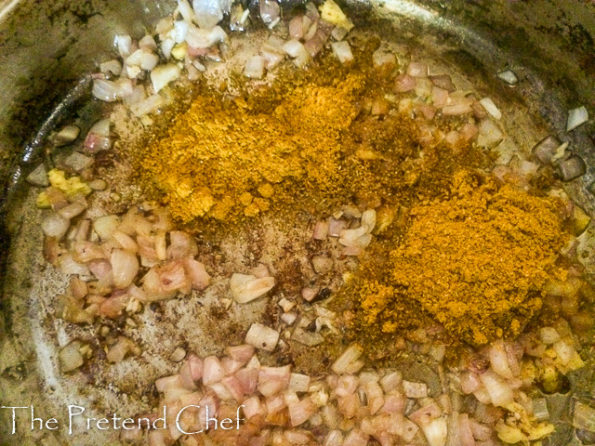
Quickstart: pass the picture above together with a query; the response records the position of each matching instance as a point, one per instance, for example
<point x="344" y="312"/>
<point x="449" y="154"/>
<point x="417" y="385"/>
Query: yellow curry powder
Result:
<point x="476" y="262"/>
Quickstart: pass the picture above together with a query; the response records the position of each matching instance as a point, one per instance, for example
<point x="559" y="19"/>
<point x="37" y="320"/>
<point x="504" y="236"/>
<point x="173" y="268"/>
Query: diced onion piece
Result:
<point x="491" y="108"/>
<point x="204" y="38"/>
<point x="272" y="380"/>
<point x="246" y="287"/>
<point x="148" y="105"/>
<point x="163" y="75"/>
<point x="262" y="337"/>
<point x="125" y="267"/>
<point x="499" y="391"/>
<point x="108" y="91"/>
<point x="332" y="13"/>
<point x="356" y="437"/>
<point x="186" y="10"/>
<point x="499" y="360"/>
<point x="301" y="411"/>
<point x="297" y="51"/>
<point x="342" y="51"/>
<point x="269" y="12"/>
<point x="576" y="116"/>
<point x="404" y="83"/>
<point x="105" y="226"/>
<point x="254" y="67"/>
<point x="549" y="335"/>
<point x="70" y="357"/>
<point x="212" y="371"/>
<point x="197" y="273"/>
<point x="546" y="149"/>
<point x="584" y="417"/>
<point x="124" y="45"/>
<point x="489" y="134"/>
<point x="299" y="382"/>
<point x="382" y="58"/>
<point x="391" y="381"/>
<point x="509" y="77"/>
<point x="350" y="356"/>
<point x="55" y="225"/>
<point x="72" y="210"/>
<point x="334" y="438"/>
<point x="417" y="69"/>
<point x="209" y="12"/>
<point x="111" y="66"/>
<point x="415" y="389"/>
<point x="571" y="168"/>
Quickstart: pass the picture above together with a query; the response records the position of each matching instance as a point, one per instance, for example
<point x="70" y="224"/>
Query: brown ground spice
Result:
<point x="476" y="262"/>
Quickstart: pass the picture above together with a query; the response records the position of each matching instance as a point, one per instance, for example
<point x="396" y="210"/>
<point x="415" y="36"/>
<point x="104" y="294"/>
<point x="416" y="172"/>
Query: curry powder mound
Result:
<point x="476" y="262"/>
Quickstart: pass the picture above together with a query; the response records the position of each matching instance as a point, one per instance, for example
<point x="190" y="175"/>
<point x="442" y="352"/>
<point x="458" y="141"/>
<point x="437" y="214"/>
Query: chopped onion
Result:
<point x="509" y="77"/>
<point x="262" y="337"/>
<point x="391" y="381"/>
<point x="576" y="117"/>
<point x="212" y="371"/>
<point x="443" y="81"/>
<point x="548" y="335"/>
<point x="499" y="360"/>
<point x="584" y="416"/>
<point x="571" y="168"/>
<point x="301" y="411"/>
<point x="197" y="273"/>
<point x="241" y="353"/>
<point x="70" y="357"/>
<point x="269" y="12"/>
<point x="415" y="389"/>
<point x="272" y="380"/>
<point x="489" y="134"/>
<point x="108" y="91"/>
<point x="299" y="382"/>
<point x="254" y="67"/>
<point x="500" y="392"/>
<point x="163" y="75"/>
<point x="342" y="51"/>
<point x="382" y="58"/>
<point x="148" y="105"/>
<point x="297" y="51"/>
<point x="334" y="438"/>
<point x="125" y="267"/>
<point x="204" y="38"/>
<point x="404" y="83"/>
<point x="417" y="69"/>
<point x="546" y="149"/>
<point x="124" y="45"/>
<point x="347" y="359"/>
<point x="296" y="27"/>
<point x="246" y="287"/>
<point x="55" y="225"/>
<point x="356" y="437"/>
<point x="491" y="108"/>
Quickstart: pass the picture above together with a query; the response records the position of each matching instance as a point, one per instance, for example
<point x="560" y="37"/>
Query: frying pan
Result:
<point x="47" y="50"/>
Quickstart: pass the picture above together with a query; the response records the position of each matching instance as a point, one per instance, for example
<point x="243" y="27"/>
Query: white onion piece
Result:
<point x="417" y="69"/>
<point x="68" y="265"/>
<point x="209" y="12"/>
<point x="350" y="356"/>
<point x="111" y="66"/>
<point x="163" y="75"/>
<point x="212" y="371"/>
<point x="576" y="116"/>
<point x="180" y="31"/>
<point x="105" y="90"/>
<point x="299" y="382"/>
<point x="297" y="51"/>
<point x="197" y="273"/>
<point x="509" y="77"/>
<point x="391" y="381"/>
<point x="491" y="108"/>
<point x="77" y="161"/>
<point x="254" y="67"/>
<point x="334" y="438"/>
<point x="186" y="10"/>
<point x="381" y="58"/>
<point x="499" y="360"/>
<point x="272" y="380"/>
<point x="167" y="46"/>
<point x="148" y="60"/>
<point x="105" y="226"/>
<point x="415" y="389"/>
<point x="124" y="45"/>
<point x="240" y="353"/>
<point x="72" y="210"/>
<point x="101" y="127"/>
<point x="70" y="357"/>
<point x="204" y="38"/>
<point x="55" y="225"/>
<point x="148" y="43"/>
<point x="489" y="134"/>
<point x="125" y="267"/>
<point x="148" y="105"/>
<point x="269" y="12"/>
<point x="500" y="393"/>
<point x="356" y="437"/>
<point x="262" y="337"/>
<point x="342" y="51"/>
<point x="246" y="287"/>
<point x="404" y="83"/>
